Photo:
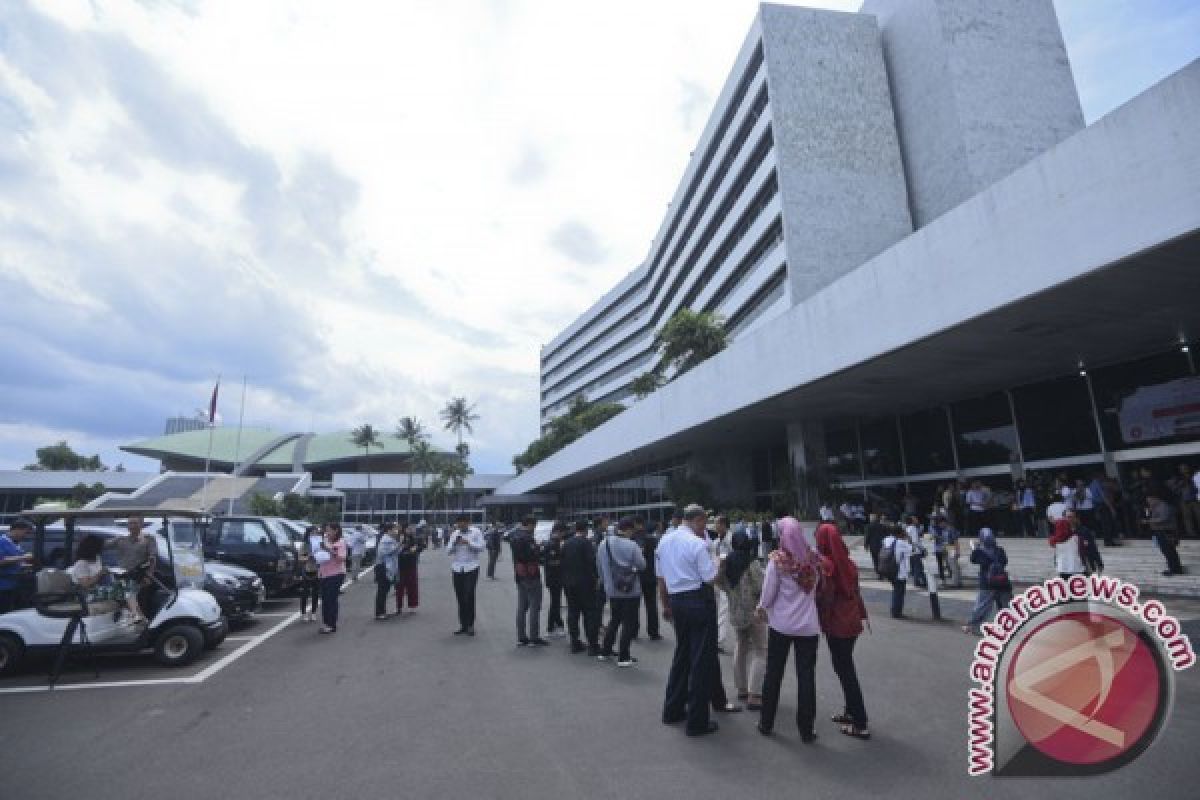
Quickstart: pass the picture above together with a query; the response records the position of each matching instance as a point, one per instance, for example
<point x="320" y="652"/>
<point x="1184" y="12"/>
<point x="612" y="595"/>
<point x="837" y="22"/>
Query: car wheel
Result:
<point x="179" y="645"/>
<point x="11" y="652"/>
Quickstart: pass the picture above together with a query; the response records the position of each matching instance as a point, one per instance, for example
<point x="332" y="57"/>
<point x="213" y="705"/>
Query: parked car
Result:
<point x="260" y="544"/>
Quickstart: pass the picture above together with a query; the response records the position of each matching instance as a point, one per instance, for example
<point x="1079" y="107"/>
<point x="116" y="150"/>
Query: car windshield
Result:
<point x="279" y="533"/>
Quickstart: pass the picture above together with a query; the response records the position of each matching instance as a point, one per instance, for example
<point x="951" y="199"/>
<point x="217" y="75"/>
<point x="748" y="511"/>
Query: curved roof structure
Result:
<point x="263" y="449"/>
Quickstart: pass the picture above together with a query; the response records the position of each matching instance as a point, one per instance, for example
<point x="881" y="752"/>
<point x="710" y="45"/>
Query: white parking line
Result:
<point x="251" y="643"/>
<point x="241" y="651"/>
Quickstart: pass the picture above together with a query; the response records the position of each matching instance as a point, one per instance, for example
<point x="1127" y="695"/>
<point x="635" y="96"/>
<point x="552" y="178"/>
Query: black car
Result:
<point x="239" y="592"/>
<point x="259" y="544"/>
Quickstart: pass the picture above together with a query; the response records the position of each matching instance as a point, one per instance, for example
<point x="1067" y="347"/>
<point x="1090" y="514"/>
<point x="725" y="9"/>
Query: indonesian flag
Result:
<point x="212" y="405"/>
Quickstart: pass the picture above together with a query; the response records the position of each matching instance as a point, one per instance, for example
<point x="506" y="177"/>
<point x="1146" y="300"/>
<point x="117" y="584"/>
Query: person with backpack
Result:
<point x="994" y="584"/>
<point x="527" y="572"/>
<point x="894" y="563"/>
<point x="741" y="577"/>
<point x="310" y="583"/>
<point x="619" y="560"/>
<point x="788" y="606"/>
<point x="841" y="611"/>
<point x="385" y="569"/>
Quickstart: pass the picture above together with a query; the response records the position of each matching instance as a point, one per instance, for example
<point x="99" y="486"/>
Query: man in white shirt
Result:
<point x="464" y="544"/>
<point x="902" y="549"/>
<point x="685" y="573"/>
<point x="978" y="498"/>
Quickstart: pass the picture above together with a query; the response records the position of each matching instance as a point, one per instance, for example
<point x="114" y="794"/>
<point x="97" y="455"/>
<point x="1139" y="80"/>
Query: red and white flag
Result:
<point x="212" y="405"/>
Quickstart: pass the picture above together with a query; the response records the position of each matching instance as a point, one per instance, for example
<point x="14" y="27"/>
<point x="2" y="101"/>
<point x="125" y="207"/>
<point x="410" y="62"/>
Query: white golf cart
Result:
<point x="183" y="618"/>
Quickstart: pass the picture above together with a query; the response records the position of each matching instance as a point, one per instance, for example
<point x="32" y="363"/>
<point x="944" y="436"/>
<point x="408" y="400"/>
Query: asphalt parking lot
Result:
<point x="404" y="708"/>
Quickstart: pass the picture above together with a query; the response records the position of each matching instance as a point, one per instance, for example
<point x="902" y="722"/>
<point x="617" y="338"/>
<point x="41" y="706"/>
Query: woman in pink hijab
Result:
<point x="789" y="605"/>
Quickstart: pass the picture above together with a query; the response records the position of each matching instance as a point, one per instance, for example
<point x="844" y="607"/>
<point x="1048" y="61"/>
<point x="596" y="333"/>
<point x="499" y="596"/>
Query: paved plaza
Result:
<point x="404" y="709"/>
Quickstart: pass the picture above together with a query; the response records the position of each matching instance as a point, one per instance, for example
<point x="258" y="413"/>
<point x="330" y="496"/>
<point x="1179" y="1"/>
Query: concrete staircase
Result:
<point x="220" y="489"/>
<point x="1032" y="561"/>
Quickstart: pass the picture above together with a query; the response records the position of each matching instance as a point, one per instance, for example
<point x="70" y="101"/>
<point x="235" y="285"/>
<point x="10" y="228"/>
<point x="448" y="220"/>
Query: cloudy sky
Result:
<point x="366" y="208"/>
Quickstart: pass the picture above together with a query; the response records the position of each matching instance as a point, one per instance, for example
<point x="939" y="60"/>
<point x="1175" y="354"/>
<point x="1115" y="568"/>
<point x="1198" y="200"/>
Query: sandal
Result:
<point x="841" y="719"/>
<point x="856" y="732"/>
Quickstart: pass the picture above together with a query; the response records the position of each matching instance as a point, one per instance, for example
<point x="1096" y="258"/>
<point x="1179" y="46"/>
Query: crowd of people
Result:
<point x="763" y="592"/>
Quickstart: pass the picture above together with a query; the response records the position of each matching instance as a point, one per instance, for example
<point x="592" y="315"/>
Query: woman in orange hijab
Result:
<point x="841" y="611"/>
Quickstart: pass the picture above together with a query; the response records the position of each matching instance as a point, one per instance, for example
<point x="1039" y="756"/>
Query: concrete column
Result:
<point x="806" y="450"/>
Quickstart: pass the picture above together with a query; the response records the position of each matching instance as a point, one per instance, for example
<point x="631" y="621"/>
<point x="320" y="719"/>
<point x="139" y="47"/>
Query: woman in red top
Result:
<point x="841" y="610"/>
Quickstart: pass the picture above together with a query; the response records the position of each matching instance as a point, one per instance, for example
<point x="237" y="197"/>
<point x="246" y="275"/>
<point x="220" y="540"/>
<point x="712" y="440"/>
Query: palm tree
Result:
<point x="366" y="437"/>
<point x="437" y="491"/>
<point x="454" y="473"/>
<point x="422" y="461"/>
<point x="410" y="430"/>
<point x="458" y="416"/>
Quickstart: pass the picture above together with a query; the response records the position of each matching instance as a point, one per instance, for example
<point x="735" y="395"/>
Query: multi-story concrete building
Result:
<point x="929" y="267"/>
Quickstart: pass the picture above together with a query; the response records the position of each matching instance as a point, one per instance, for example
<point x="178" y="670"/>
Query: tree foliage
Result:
<point x="82" y="494"/>
<point x="579" y="418"/>
<point x="263" y="505"/>
<point x="62" y="457"/>
<point x="458" y="416"/>
<point x="646" y="384"/>
<point x="689" y="338"/>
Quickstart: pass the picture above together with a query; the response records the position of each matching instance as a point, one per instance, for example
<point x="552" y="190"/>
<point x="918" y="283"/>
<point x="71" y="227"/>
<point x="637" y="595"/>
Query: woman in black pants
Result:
<point x="332" y="558"/>
<point x="841" y="611"/>
<point x="788" y="605"/>
<point x="310" y="584"/>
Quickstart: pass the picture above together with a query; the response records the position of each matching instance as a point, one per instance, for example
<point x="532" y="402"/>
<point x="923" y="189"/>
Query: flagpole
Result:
<point x="237" y="447"/>
<point x="212" y="423"/>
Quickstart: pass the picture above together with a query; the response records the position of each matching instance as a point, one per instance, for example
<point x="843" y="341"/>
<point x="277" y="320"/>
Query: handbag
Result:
<point x="623" y="578"/>
<point x="998" y="578"/>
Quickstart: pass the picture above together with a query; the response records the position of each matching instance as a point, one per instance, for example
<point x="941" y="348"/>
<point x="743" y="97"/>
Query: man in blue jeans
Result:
<point x="527" y="571"/>
<point x="685" y="575"/>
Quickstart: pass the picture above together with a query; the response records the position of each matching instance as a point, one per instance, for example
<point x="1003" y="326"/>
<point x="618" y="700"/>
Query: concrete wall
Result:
<point x="980" y="87"/>
<point x="840" y="171"/>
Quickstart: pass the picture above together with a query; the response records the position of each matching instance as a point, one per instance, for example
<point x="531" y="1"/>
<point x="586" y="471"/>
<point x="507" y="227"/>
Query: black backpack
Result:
<point x="889" y="567"/>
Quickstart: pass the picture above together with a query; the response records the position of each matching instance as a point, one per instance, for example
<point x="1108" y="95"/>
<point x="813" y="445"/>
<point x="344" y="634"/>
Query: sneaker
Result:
<point x="379" y="617"/>
<point x="539" y="642"/>
<point x="629" y="662"/>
